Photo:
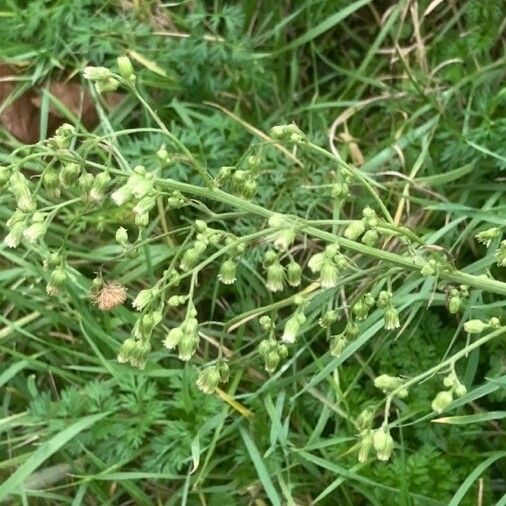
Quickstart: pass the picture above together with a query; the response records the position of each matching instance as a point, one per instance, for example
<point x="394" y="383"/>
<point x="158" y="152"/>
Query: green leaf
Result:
<point x="459" y="495"/>
<point x="261" y="470"/>
<point x="465" y="419"/>
<point x="39" y="456"/>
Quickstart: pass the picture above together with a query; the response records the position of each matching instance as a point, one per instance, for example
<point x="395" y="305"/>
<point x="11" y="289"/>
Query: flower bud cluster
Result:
<point x="285" y="235"/>
<point x="63" y="136"/>
<point x="391" y="316"/>
<point x="293" y="326"/>
<point x="242" y="182"/>
<point x="388" y="384"/>
<point x="55" y="264"/>
<point x="272" y="352"/>
<point x="210" y="377"/>
<point x="363" y="306"/>
<point x="339" y="342"/>
<point x="454" y="298"/>
<point x="444" y="398"/>
<point x="102" y="77"/>
<point x="329" y="264"/>
<point x="290" y="133"/>
<point x="185" y="337"/>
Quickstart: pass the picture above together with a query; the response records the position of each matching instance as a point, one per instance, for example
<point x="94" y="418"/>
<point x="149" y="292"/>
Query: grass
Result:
<point x="401" y="101"/>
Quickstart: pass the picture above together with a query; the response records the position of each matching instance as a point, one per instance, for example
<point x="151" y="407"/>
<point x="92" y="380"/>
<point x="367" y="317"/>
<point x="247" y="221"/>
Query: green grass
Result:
<point x="415" y="99"/>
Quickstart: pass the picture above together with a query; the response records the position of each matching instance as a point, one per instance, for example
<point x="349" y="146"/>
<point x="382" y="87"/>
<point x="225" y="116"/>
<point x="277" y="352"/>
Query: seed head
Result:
<point x="110" y="296"/>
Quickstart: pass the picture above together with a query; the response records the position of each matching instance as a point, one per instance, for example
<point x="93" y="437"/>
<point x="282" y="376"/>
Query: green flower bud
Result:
<point x="450" y="380"/>
<point x="454" y="301"/>
<point x="140" y="357"/>
<point x="316" y="262"/>
<point x="121" y="236"/>
<point x="460" y="390"/>
<point x="5" y="174"/>
<point x="329" y="275"/>
<point x="494" y="323"/>
<point x="384" y="299"/>
<point x="16" y="230"/>
<point x="249" y="189"/>
<point x="187" y="347"/>
<point x="265" y="346"/>
<point x="163" y="154"/>
<point x="360" y="310"/>
<point x="391" y="318"/>
<point x="354" y="230"/>
<point x="173" y="338"/>
<point x="370" y="238"/>
<point x="100" y="186"/>
<point x="275" y="277"/>
<point x="442" y="401"/>
<point x="144" y="298"/>
<point x="191" y="256"/>
<point x="284" y="238"/>
<point x="338" y="344"/>
<point x="365" y="419"/>
<point x="369" y="300"/>
<point x="292" y="327"/>
<point x="429" y="268"/>
<point x="208" y="379"/>
<point x="282" y="350"/>
<point x="176" y="200"/>
<point x="487" y="236"/>
<point x="125" y="68"/>
<point x="328" y="318"/>
<point x="352" y="330"/>
<point x="224" y="371"/>
<point x="36" y="230"/>
<point x="475" y="326"/>
<point x="69" y="174"/>
<point x="365" y="446"/>
<point x="56" y="280"/>
<point x="96" y="73"/>
<point x="293" y="274"/>
<point x="272" y="360"/>
<point x="144" y="205"/>
<point x="20" y="188"/>
<point x="227" y="272"/>
<point x="265" y="323"/>
<point x="339" y="191"/>
<point x="126" y="350"/>
<point x="500" y="254"/>
<point x="51" y="182"/>
<point x="389" y="384"/>
<point x="383" y="443"/>
<point x="110" y="84"/>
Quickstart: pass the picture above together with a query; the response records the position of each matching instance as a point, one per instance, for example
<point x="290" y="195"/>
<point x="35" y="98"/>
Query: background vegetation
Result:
<point x="412" y="93"/>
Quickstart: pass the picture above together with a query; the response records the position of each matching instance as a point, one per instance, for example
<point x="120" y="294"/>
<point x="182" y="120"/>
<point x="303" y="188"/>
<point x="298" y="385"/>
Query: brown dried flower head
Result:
<point x="110" y="296"/>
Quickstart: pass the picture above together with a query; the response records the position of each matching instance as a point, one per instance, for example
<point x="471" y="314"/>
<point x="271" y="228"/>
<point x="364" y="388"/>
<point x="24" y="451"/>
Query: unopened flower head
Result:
<point x="329" y="274"/>
<point x="391" y="318"/>
<point x="275" y="277"/>
<point x="442" y="400"/>
<point x="125" y="68"/>
<point x="293" y="274"/>
<point x="475" y="326"/>
<point x="338" y="344"/>
<point x="383" y="443"/>
<point x="96" y="73"/>
<point x="144" y="298"/>
<point x="227" y="272"/>
<point x="354" y="230"/>
<point x="292" y="327"/>
<point x="209" y="379"/>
